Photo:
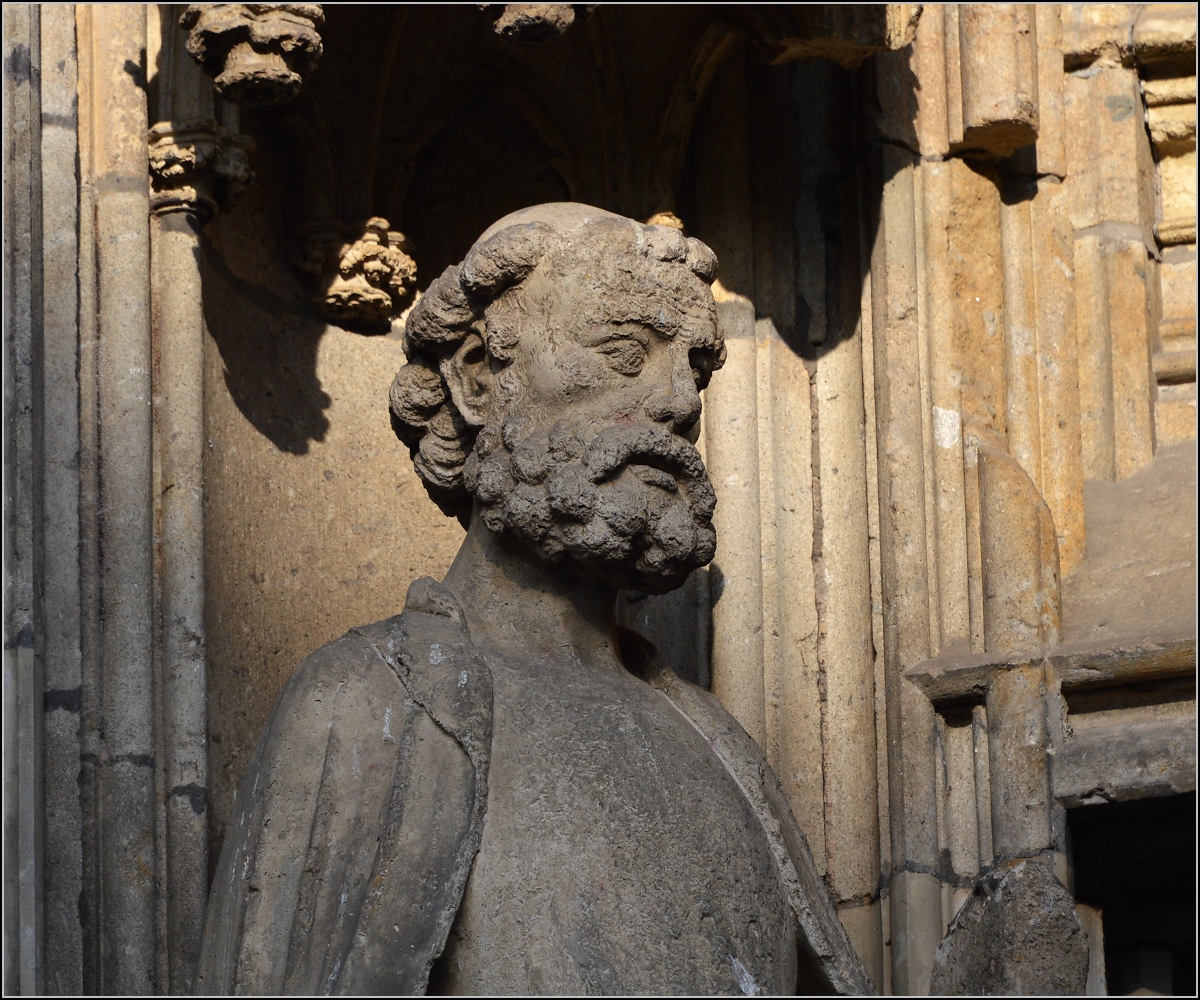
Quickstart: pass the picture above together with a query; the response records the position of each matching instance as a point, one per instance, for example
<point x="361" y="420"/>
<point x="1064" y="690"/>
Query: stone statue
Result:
<point x="499" y="791"/>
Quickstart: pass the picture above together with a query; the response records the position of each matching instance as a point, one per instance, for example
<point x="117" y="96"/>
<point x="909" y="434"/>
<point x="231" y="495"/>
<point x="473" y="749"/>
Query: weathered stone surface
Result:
<point x="550" y="401"/>
<point x="1108" y="151"/>
<point x="998" y="67"/>
<point x="197" y="166"/>
<point x="820" y="620"/>
<point x="1119" y="762"/>
<point x="529" y="23"/>
<point x="1018" y="934"/>
<point x="364" y="273"/>
<point x="1092" y="30"/>
<point x="1172" y="128"/>
<point x="257" y="53"/>
<point x="1139" y="577"/>
<point x="1177" y="275"/>
<point x="1164" y="30"/>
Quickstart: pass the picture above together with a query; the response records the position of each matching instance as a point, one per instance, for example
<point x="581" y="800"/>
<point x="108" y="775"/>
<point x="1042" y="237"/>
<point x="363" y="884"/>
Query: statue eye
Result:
<point x="625" y="355"/>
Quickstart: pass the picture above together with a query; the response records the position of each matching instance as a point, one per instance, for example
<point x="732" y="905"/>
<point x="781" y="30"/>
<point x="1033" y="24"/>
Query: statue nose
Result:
<point x="680" y="407"/>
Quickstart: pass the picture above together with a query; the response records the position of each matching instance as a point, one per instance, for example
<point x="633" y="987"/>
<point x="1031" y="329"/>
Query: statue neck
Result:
<point x="520" y="606"/>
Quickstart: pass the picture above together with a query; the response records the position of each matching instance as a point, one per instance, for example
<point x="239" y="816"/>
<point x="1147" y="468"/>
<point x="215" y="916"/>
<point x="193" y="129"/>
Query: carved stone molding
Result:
<point x="842" y="33"/>
<point x="363" y="271"/>
<point x="258" y="54"/>
<point x="197" y="166"/>
<point x="529" y="23"/>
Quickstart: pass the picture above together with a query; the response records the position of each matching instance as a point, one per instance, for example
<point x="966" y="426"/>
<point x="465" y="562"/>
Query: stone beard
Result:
<point x="498" y="790"/>
<point x="632" y="505"/>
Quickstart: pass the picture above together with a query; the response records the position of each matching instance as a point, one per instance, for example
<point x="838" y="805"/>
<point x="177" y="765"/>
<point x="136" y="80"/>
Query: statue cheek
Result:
<point x="578" y="375"/>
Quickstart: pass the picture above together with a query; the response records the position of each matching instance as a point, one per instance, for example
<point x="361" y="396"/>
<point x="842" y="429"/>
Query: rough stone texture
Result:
<point x="1139" y="578"/>
<point x="1164" y="30"/>
<point x="257" y="53"/>
<point x="198" y="164"/>
<point x="63" y="858"/>
<point x="1115" y="760"/>
<point x="21" y="308"/>
<point x="363" y="273"/>
<point x="1165" y="38"/>
<point x="1177" y="198"/>
<point x="565" y="352"/>
<point x="1095" y="30"/>
<point x="997" y="59"/>
<point x="118" y="691"/>
<point x="425" y="116"/>
<point x="1017" y="935"/>
<point x="529" y="23"/>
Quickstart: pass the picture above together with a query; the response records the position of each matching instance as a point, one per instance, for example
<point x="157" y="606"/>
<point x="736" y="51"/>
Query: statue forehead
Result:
<point x="608" y="269"/>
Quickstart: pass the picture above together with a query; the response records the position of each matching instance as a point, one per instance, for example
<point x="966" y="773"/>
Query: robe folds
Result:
<point x="362" y="810"/>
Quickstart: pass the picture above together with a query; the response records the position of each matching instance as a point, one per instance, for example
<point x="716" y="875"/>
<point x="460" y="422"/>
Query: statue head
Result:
<point x="552" y="388"/>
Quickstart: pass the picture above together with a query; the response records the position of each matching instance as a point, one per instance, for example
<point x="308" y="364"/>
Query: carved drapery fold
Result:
<point x="258" y="54"/>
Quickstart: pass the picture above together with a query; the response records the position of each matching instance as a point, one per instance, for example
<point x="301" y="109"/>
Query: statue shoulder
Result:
<point x="367" y="729"/>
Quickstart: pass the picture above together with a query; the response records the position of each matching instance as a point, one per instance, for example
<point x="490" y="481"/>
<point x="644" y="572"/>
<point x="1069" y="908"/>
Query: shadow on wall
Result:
<point x="268" y="344"/>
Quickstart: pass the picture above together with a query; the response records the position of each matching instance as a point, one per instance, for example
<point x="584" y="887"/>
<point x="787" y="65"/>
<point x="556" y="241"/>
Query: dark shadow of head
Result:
<point x="268" y="346"/>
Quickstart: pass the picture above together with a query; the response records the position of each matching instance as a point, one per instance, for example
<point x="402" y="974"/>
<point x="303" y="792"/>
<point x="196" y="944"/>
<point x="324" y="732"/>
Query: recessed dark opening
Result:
<point x="1136" y="862"/>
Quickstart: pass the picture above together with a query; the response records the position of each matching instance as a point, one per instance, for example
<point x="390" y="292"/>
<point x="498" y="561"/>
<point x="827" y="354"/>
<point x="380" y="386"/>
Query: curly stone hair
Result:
<point x="423" y="414"/>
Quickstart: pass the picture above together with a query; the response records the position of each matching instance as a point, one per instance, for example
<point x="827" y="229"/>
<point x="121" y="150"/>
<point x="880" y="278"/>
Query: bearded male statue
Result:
<point x="498" y="790"/>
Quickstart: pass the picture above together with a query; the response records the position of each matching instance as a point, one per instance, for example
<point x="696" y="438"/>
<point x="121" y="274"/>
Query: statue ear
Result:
<point x="468" y="375"/>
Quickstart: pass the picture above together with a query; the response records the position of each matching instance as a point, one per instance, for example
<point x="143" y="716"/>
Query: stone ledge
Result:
<point x="1123" y="762"/>
<point x="1080" y="666"/>
<point x="1174" y="367"/>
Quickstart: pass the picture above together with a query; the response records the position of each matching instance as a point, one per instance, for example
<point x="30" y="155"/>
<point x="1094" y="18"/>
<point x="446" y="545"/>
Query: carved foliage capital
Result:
<point x="257" y="53"/>
<point x="363" y="272"/>
<point x="197" y="166"/>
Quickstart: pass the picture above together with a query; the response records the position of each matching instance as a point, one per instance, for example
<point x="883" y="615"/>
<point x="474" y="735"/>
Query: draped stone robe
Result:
<point x="355" y="828"/>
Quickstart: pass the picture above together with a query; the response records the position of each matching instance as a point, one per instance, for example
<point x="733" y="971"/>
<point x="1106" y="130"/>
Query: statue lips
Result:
<point x="654" y="454"/>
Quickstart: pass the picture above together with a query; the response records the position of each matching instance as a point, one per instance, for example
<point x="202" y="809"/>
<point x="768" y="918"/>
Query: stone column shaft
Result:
<point x="59" y="477"/>
<point x="915" y="900"/>
<point x="724" y="206"/>
<point x="186" y="157"/>
<point x="998" y="70"/>
<point x="179" y="333"/>
<point x="22" y="666"/>
<point x="114" y="101"/>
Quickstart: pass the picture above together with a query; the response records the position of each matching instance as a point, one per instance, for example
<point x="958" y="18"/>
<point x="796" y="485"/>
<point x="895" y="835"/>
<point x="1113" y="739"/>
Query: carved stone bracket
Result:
<point x="258" y="54"/>
<point x="197" y="166"/>
<point x="364" y="272"/>
<point x="529" y="23"/>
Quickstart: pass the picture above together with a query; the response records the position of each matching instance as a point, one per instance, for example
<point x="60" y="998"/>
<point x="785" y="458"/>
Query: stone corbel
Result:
<point x="992" y="97"/>
<point x="197" y="166"/>
<point x="528" y="23"/>
<point x="364" y="273"/>
<point x="258" y="54"/>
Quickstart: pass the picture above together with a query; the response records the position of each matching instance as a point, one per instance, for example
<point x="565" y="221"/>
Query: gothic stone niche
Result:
<point x="492" y="792"/>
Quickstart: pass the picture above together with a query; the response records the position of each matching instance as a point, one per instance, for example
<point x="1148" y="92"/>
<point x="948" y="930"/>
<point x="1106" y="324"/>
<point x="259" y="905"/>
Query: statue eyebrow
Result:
<point x="619" y="330"/>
